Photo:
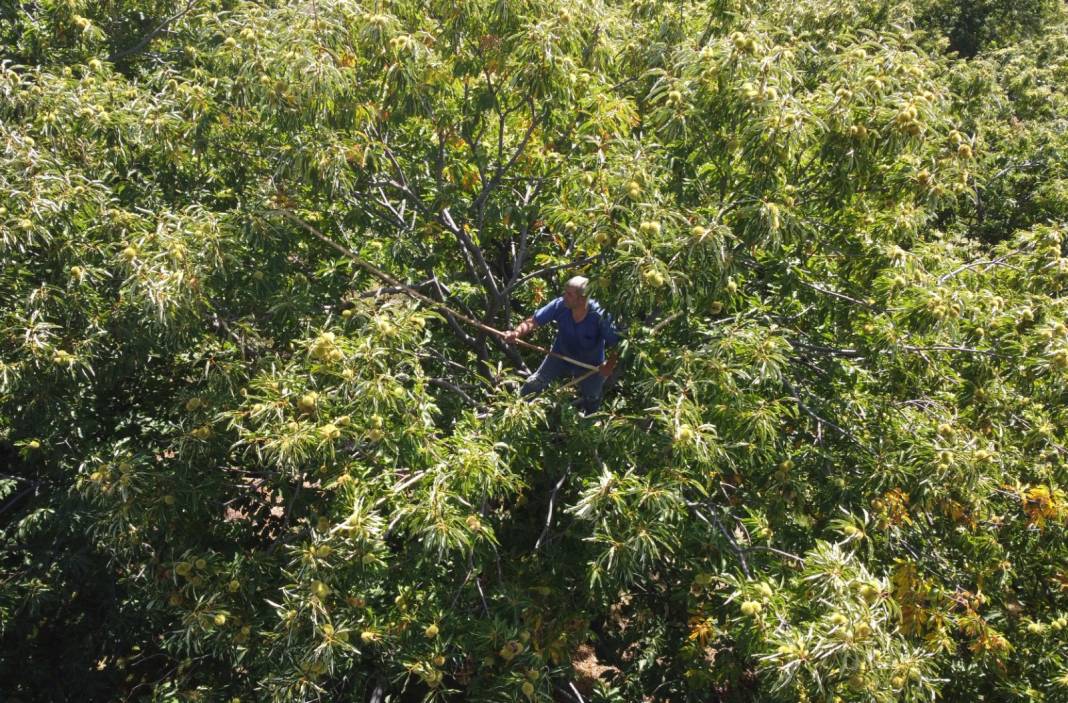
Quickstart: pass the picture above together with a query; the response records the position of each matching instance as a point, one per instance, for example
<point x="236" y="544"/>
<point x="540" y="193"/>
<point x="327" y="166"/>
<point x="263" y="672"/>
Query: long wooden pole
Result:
<point x="379" y="273"/>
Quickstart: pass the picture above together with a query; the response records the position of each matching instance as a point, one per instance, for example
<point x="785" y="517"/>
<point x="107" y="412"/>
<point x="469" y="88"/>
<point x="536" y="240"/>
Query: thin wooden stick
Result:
<point x="579" y="379"/>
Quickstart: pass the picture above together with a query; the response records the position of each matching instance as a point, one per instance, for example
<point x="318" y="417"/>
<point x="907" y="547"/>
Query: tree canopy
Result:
<point x="240" y="467"/>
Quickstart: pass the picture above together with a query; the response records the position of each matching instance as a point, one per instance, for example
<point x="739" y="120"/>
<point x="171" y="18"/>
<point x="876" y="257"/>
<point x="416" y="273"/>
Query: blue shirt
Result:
<point x="584" y="340"/>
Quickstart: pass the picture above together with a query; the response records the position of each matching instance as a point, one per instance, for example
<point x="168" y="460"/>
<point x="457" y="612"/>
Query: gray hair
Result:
<point x="579" y="283"/>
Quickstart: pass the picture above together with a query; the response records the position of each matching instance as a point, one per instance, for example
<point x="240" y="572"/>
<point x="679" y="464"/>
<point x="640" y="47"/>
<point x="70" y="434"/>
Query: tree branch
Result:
<point x="459" y="331"/>
<point x="500" y="170"/>
<point x="7" y="506"/>
<point x="520" y="258"/>
<point x="946" y="347"/>
<point x="820" y="420"/>
<point x="476" y="252"/>
<point x="832" y="351"/>
<point x="391" y="290"/>
<point x="549" y="513"/>
<point x="738" y="551"/>
<point x="551" y="269"/>
<point x="993" y="262"/>
<point x="154" y="33"/>
<point x="442" y="383"/>
<point x="836" y="294"/>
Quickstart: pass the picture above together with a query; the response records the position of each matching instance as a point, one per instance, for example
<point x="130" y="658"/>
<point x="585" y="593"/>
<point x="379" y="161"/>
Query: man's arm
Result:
<point x="521" y="330"/>
<point x="611" y="339"/>
<point x="609" y="364"/>
<point x="544" y="315"/>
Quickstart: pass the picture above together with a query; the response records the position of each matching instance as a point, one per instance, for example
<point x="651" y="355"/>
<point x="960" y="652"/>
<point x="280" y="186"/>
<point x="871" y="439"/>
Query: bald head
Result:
<point x="578" y="284"/>
<point x="575" y="293"/>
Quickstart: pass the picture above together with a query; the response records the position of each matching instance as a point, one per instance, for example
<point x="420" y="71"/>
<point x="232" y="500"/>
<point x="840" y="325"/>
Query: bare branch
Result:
<point x="664" y="323"/>
<point x="549" y="514"/>
<point x="154" y="33"/>
<point x="476" y="252"/>
<point x="1000" y="261"/>
<point x="442" y="383"/>
<point x="773" y="550"/>
<point x="550" y="269"/>
<point x="398" y="217"/>
<point x="524" y="234"/>
<point x="391" y="290"/>
<point x="17" y="497"/>
<point x="482" y="595"/>
<point x="832" y="351"/>
<point x="836" y="294"/>
<point x="459" y="331"/>
<point x="946" y="347"/>
<point x="499" y="172"/>
<point x="821" y="420"/>
<point x="738" y="551"/>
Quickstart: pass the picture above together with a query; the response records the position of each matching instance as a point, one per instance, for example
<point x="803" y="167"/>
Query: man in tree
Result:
<point x="584" y="329"/>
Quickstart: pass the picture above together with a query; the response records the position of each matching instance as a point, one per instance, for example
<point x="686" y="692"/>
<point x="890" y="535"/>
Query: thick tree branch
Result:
<point x="459" y="331"/>
<point x="442" y="383"/>
<point x="476" y="252"/>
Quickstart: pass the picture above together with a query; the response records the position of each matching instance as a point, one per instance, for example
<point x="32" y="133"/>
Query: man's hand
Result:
<point x="608" y="366"/>
<point x="510" y="336"/>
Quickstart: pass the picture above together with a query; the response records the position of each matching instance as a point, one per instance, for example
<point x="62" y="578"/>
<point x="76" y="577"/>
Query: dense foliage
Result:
<point x="239" y="467"/>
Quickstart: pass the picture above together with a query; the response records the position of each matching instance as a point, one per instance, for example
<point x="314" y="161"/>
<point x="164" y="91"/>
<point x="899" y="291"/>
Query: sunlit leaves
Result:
<point x="836" y="254"/>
